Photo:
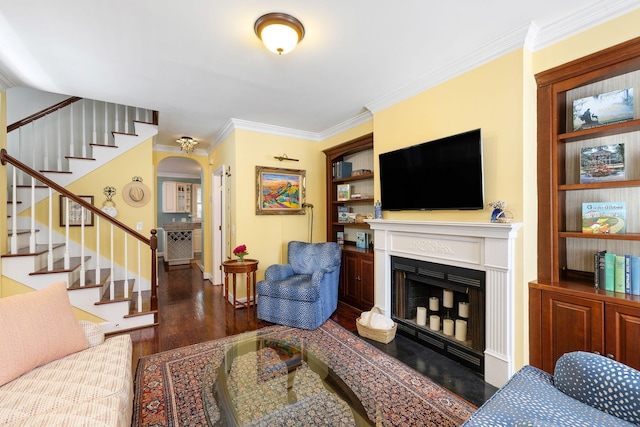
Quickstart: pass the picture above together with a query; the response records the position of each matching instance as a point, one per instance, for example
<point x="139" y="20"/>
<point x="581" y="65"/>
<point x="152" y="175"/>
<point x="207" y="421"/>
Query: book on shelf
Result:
<point x="604" y="217"/>
<point x="340" y="237"/>
<point x="344" y="192"/>
<point x="627" y="274"/>
<point x="362" y="239"/>
<point x="602" y="163"/>
<point x="609" y="271"/>
<point x="343" y="213"/>
<point x="635" y="275"/>
<point x="598" y="269"/>
<point x="618" y="283"/>
<point x="341" y="170"/>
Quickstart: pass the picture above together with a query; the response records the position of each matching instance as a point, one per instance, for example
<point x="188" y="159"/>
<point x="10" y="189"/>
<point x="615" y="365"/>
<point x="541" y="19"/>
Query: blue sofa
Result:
<point x="304" y="292"/>
<point x="585" y="390"/>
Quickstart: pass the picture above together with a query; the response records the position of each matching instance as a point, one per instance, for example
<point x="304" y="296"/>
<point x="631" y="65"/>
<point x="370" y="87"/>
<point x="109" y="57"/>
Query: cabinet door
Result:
<point x="570" y="324"/>
<point x="169" y="194"/>
<point x="350" y="278"/>
<point x="623" y="334"/>
<point x="366" y="283"/>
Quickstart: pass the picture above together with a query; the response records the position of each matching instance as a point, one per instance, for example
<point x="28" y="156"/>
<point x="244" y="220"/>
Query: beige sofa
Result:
<point x="89" y="386"/>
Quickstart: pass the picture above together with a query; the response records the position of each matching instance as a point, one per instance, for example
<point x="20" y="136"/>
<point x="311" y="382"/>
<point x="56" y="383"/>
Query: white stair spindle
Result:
<point x="84" y="130"/>
<point x="98" y="278"/>
<point x="50" y="238"/>
<point x="83" y="268"/>
<point x="126" y="119"/>
<point x="45" y="159"/>
<point x="32" y="235"/>
<point x="139" y="281"/>
<point x="95" y="127"/>
<point x="14" y="213"/>
<point x="137" y="119"/>
<point x="112" y="286"/>
<point x="72" y="151"/>
<point x="116" y="127"/>
<point x="106" y="124"/>
<point x="126" y="265"/>
<point x="21" y="141"/>
<point x="67" y="256"/>
<point x="59" y="141"/>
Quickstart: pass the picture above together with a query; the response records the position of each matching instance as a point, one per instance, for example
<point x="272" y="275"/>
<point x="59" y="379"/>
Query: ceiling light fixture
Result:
<point x="187" y="144"/>
<point x="279" y="32"/>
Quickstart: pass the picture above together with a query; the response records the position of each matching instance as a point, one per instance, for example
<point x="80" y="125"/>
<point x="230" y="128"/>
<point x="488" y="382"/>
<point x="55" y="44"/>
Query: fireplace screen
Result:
<point x="442" y="306"/>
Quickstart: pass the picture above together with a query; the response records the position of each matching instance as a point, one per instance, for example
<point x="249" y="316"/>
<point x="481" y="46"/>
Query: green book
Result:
<point x="609" y="269"/>
<point x="619" y="274"/>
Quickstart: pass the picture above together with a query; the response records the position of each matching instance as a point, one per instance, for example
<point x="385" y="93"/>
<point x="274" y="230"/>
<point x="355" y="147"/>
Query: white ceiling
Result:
<point x="199" y="63"/>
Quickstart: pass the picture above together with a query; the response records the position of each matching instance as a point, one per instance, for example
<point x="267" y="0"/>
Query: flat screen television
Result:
<point x="442" y="174"/>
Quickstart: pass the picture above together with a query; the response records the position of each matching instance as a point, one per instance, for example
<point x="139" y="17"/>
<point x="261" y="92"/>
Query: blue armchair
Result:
<point x="304" y="292"/>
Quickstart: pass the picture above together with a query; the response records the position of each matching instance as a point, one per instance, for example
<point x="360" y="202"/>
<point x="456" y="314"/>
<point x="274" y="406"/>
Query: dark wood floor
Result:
<point x="192" y="310"/>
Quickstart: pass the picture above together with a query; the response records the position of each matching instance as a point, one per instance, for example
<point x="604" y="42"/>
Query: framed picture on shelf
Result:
<point x="280" y="191"/>
<point x="604" y="217"/>
<point x="340" y="237"/>
<point x="75" y="214"/>
<point x="602" y="163"/>
<point x="604" y="109"/>
<point x="344" y="192"/>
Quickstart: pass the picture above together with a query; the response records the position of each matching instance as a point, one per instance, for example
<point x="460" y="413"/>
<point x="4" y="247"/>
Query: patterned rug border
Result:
<point x="168" y="384"/>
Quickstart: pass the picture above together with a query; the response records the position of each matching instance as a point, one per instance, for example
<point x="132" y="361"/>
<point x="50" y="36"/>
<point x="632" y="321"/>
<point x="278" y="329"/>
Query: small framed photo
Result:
<point x="344" y="192"/>
<point x="77" y="214"/>
<point x="280" y="191"/>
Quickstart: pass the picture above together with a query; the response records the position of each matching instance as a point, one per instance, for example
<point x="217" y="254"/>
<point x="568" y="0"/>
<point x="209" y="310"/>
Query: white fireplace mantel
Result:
<point x="482" y="246"/>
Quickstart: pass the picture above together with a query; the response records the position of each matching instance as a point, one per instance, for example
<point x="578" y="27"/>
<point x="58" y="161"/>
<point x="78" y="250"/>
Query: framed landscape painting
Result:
<point x="280" y="191"/>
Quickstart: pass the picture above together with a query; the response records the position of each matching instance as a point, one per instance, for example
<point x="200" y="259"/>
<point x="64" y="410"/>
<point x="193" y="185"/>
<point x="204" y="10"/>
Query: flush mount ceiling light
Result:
<point x="279" y="32"/>
<point x="187" y="144"/>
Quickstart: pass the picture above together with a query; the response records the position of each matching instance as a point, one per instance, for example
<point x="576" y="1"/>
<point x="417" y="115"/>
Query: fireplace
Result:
<point x="484" y="247"/>
<point x="440" y="306"/>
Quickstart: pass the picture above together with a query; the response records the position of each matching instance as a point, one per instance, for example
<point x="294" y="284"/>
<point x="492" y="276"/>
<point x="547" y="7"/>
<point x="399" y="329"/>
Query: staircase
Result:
<point x="110" y="269"/>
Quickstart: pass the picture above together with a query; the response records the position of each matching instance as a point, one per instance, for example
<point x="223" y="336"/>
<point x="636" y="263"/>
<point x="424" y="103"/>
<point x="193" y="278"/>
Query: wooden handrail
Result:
<point x="6" y="158"/>
<point x="42" y="113"/>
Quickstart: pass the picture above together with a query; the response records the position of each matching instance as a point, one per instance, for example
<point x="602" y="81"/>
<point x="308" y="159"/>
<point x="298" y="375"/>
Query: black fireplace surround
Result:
<point x="414" y="282"/>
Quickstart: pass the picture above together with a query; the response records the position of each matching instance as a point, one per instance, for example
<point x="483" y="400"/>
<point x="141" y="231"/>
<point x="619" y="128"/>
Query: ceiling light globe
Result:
<point x="279" y="38"/>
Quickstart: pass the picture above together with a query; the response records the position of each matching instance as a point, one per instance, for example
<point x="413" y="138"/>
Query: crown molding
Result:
<point x="361" y="118"/>
<point x="578" y="22"/>
<point x="471" y="60"/>
<point x="5" y="81"/>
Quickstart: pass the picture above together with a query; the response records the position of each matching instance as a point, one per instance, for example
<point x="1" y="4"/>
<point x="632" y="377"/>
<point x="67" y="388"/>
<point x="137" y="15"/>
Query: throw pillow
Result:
<point x="37" y="328"/>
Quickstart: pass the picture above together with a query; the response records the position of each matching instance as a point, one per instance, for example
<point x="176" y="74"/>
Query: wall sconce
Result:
<point x="108" y="206"/>
<point x="279" y="32"/>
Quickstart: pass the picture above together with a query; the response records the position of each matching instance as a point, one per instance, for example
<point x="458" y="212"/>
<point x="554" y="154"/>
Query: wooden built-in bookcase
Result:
<point x="566" y="311"/>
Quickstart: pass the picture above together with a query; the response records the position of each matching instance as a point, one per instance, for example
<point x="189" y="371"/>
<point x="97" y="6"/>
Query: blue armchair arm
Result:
<point x="278" y="272"/>
<point x="318" y="275"/>
<point x="601" y="383"/>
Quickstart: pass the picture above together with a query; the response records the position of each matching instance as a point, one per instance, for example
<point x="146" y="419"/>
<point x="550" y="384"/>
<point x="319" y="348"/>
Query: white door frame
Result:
<point x="218" y="221"/>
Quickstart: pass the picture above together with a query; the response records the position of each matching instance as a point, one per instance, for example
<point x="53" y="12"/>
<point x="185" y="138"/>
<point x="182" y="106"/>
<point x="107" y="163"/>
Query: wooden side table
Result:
<point x="233" y="267"/>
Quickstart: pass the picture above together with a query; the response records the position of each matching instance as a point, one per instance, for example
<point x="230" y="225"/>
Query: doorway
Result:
<point x="218" y="222"/>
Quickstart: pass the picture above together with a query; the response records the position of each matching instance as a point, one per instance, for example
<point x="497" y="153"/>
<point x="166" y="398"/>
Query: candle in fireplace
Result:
<point x="447" y="327"/>
<point x="461" y="330"/>
<point x="463" y="309"/>
<point x="421" y="316"/>
<point x="434" y="322"/>
<point x="434" y="304"/>
<point x="447" y="298"/>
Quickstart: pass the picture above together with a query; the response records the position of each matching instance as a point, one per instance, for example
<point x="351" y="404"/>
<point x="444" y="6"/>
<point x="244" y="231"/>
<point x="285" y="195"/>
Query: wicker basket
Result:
<point x="384" y="336"/>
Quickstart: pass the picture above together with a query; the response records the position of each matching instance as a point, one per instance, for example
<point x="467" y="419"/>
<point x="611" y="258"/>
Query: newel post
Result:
<point x="153" y="244"/>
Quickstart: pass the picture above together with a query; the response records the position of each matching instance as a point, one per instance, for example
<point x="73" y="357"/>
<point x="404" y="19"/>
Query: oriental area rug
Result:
<point x="168" y="385"/>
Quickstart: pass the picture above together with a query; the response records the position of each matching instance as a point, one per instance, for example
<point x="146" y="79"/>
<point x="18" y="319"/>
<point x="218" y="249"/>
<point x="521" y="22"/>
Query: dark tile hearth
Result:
<point x="450" y="374"/>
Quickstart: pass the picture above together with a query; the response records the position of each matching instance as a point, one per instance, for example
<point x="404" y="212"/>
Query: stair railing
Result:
<point x="151" y="242"/>
<point x="82" y="122"/>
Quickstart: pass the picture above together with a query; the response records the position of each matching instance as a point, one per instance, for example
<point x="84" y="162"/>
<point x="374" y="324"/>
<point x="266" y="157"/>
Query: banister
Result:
<point x="6" y="158"/>
<point x="42" y="113"/>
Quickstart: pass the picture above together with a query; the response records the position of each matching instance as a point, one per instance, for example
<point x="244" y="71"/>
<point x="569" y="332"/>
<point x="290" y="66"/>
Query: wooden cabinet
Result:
<point x="176" y="197"/>
<point x="566" y="311"/>
<point x="356" y="279"/>
<point x="356" y="286"/>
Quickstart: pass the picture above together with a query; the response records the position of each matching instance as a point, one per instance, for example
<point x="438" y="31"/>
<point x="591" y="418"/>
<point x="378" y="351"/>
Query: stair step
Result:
<point x="118" y="292"/>
<point x="29" y="186"/>
<point x="58" y="266"/>
<point x="49" y="171"/>
<point x="104" y="145"/>
<point x="124" y="133"/>
<point x="146" y="305"/>
<point x="10" y="202"/>
<point x="21" y="231"/>
<point x="40" y="249"/>
<point x="90" y="279"/>
<point x="79" y="158"/>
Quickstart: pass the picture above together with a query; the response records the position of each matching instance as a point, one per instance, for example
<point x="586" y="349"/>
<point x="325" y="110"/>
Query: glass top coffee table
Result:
<point x="271" y="382"/>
